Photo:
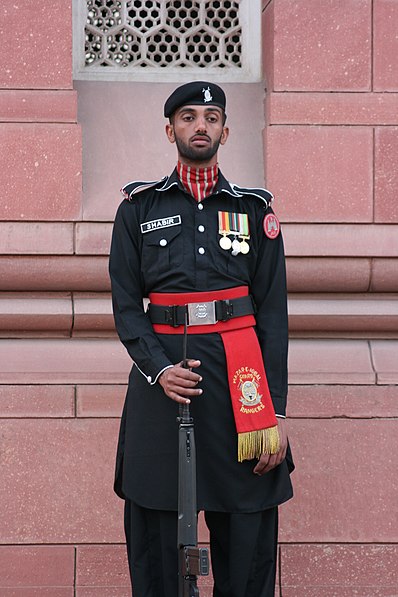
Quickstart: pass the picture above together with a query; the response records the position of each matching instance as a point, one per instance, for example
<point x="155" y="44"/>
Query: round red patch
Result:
<point x="271" y="226"/>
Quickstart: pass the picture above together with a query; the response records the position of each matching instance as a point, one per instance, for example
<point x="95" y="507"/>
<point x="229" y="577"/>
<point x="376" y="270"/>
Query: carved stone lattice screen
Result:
<point x="139" y="39"/>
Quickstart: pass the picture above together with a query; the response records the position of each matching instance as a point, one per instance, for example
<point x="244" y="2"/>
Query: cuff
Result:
<point x="152" y="379"/>
<point x="159" y="374"/>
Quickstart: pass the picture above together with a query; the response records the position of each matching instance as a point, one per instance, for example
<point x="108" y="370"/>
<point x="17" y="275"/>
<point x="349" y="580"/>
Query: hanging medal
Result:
<point x="244" y="247"/>
<point x="235" y="247"/>
<point x="244" y="233"/>
<point x="225" y="242"/>
<point x="223" y="229"/>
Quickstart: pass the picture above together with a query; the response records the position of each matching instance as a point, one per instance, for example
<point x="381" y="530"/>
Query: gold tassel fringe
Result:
<point x="254" y="443"/>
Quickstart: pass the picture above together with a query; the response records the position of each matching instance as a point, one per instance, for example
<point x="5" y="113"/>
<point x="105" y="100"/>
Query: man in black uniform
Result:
<point x="193" y="242"/>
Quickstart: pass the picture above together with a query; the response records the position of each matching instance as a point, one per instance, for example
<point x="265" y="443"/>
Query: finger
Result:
<point x="271" y="463"/>
<point x="193" y="363"/>
<point x="283" y="452"/>
<point x="182" y="382"/>
<point x="182" y="391"/>
<point x="185" y="374"/>
<point x="182" y="395"/>
<point x="178" y="398"/>
<point x="266" y="464"/>
<point x="261" y="464"/>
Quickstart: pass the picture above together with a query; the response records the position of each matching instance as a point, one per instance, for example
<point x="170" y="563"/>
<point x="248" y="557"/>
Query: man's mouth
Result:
<point x="200" y="140"/>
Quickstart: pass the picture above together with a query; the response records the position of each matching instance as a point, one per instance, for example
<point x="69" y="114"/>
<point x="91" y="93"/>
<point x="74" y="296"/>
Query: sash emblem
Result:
<point x="247" y="381"/>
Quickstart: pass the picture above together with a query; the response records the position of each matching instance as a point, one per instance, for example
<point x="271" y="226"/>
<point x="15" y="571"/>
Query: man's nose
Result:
<point x="200" y="124"/>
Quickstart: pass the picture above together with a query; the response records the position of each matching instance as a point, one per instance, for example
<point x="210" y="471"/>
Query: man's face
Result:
<point x="197" y="131"/>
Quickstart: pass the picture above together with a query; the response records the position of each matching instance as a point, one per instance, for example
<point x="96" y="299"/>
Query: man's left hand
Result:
<point x="269" y="461"/>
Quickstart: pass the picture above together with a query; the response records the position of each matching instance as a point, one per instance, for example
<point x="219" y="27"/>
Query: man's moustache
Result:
<point x="200" y="137"/>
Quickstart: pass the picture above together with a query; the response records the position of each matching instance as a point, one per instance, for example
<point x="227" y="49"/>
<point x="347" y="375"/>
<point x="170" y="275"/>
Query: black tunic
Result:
<point x="155" y="248"/>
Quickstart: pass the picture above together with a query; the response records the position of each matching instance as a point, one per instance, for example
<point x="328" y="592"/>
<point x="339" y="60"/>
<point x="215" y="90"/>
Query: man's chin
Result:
<point x="200" y="154"/>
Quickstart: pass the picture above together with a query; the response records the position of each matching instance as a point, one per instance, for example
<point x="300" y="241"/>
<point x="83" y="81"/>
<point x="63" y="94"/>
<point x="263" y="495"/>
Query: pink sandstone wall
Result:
<point x="330" y="153"/>
<point x="331" y="144"/>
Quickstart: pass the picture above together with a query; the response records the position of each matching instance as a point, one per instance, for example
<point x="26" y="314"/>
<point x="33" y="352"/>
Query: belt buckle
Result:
<point x="202" y="313"/>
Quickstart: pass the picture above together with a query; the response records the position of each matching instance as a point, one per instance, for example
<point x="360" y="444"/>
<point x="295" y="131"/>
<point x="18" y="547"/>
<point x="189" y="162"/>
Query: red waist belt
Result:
<point x="254" y="414"/>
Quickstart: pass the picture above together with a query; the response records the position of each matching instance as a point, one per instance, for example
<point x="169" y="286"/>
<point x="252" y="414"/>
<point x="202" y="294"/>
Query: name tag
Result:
<point x="160" y="223"/>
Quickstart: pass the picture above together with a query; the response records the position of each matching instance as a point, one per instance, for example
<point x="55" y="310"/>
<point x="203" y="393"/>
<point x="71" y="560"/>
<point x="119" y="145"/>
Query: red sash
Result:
<point x="255" y="419"/>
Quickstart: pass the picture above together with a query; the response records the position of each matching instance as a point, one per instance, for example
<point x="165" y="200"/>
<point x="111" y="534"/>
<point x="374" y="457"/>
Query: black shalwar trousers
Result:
<point x="243" y="552"/>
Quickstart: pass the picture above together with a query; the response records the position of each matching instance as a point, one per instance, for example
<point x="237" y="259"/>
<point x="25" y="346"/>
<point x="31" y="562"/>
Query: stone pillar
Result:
<point x="40" y="138"/>
<point x="331" y="151"/>
<point x="58" y="424"/>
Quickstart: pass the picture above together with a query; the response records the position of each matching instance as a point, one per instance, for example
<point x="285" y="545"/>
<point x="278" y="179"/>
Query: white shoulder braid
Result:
<point x="263" y="194"/>
<point x="137" y="186"/>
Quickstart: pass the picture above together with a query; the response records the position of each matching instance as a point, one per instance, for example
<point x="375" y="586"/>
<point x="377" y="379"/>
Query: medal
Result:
<point x="235" y="247"/>
<point x="225" y="242"/>
<point x="236" y="225"/>
<point x="244" y="247"/>
<point x="223" y="228"/>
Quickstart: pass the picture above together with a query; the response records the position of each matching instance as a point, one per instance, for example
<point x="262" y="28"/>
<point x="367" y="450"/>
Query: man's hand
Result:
<point x="179" y="383"/>
<point x="269" y="461"/>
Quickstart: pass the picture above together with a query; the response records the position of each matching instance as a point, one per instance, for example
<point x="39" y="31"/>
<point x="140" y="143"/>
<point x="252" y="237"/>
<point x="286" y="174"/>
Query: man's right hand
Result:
<point x="179" y="383"/>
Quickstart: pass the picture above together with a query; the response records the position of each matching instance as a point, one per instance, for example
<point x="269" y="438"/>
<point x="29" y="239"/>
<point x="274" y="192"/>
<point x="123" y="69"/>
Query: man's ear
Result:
<point x="224" y="136"/>
<point x="170" y="133"/>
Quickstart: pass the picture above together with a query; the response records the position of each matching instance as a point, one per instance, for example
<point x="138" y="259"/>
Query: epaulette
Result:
<point x="137" y="186"/>
<point x="266" y="196"/>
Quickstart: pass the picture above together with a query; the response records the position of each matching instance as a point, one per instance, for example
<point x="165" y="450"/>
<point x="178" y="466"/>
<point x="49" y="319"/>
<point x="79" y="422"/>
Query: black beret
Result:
<point x="196" y="93"/>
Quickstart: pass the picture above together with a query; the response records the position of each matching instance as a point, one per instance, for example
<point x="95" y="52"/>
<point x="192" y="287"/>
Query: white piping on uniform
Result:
<point x="148" y="377"/>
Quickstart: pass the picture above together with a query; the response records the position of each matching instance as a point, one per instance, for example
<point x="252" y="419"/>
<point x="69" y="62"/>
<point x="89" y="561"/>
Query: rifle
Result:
<point x="193" y="561"/>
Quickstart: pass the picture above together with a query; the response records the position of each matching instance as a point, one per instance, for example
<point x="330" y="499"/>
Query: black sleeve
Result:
<point x="132" y="324"/>
<point x="270" y="295"/>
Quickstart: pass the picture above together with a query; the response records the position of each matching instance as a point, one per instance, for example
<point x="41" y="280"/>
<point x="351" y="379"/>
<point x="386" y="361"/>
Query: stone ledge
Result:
<point x="304" y="274"/>
<point x="45" y="592"/>
<point x="93" y="238"/>
<point x="301" y="240"/>
<point x="37" y="401"/>
<point x="63" y="361"/>
<point x="35" y="314"/>
<point x="29" y="105"/>
<point x="336" y="314"/>
<point x="105" y="361"/>
<point x="56" y="273"/>
<point x="46" y="566"/>
<point x="36" y="238"/>
<point x="332" y="108"/>
<point x="320" y="401"/>
<point x="329" y="569"/>
<point x="93" y="400"/>
<point x="92" y="314"/>
<point x="100" y="400"/>
<point x="336" y="240"/>
<point x="331" y="362"/>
